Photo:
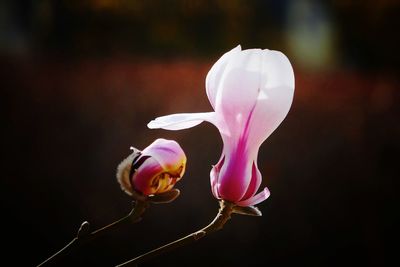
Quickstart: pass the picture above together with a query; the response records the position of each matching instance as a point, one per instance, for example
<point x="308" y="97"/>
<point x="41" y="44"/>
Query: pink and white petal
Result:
<point x="235" y="175"/>
<point x="144" y="175"/>
<point x="214" y="176"/>
<point x="168" y="153"/>
<point x="215" y="74"/>
<point x="275" y="98"/>
<point x="181" y="120"/>
<point x="255" y="182"/>
<point x="214" y="182"/>
<point x="239" y="89"/>
<point x="268" y="114"/>
<point x="254" y="200"/>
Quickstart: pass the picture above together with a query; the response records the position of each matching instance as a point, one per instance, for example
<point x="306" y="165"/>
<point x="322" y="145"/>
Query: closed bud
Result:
<point x="155" y="170"/>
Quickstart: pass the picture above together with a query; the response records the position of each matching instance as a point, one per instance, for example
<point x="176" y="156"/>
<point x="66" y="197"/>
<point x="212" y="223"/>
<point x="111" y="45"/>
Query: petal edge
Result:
<point x="254" y="200"/>
<point x="181" y="121"/>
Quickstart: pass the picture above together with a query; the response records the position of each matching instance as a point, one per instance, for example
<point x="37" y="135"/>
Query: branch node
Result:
<point x="199" y="235"/>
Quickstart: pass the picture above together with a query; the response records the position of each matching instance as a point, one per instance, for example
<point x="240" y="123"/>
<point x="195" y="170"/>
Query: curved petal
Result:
<point x="214" y="175"/>
<point x="254" y="200"/>
<point x="277" y="70"/>
<point x="168" y="154"/>
<point x="240" y="86"/>
<point x="275" y="97"/>
<point x="215" y="74"/>
<point x="235" y="175"/>
<point x="181" y="120"/>
<point x="254" y="182"/>
<point x="143" y="177"/>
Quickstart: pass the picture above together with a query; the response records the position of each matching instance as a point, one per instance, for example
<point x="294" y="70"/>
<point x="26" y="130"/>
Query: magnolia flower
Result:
<point x="155" y="170"/>
<point x="251" y="92"/>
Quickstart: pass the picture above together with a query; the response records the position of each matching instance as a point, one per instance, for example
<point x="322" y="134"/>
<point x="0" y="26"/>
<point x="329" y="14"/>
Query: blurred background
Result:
<point x="81" y="79"/>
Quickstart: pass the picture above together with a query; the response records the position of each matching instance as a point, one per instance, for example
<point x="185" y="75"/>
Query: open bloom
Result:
<point x="251" y="92"/>
<point x="154" y="170"/>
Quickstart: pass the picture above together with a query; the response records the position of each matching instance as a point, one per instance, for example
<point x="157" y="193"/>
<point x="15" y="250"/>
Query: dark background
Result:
<point x="81" y="79"/>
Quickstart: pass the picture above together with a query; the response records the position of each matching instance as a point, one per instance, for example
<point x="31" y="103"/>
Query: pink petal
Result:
<point x="214" y="175"/>
<point x="254" y="182"/>
<point x="254" y="200"/>
<point x="237" y="173"/>
<point x="143" y="176"/>
<point x="234" y="177"/>
<point x="216" y="72"/>
<point x="167" y="153"/>
<point x="181" y="120"/>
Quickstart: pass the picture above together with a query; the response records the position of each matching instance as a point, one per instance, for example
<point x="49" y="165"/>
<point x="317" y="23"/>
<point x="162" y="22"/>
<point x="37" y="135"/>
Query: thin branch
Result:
<point x="224" y="214"/>
<point x="84" y="235"/>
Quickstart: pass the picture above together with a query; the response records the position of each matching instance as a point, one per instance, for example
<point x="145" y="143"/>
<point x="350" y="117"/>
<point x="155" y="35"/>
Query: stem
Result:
<point x="85" y="236"/>
<point x="224" y="214"/>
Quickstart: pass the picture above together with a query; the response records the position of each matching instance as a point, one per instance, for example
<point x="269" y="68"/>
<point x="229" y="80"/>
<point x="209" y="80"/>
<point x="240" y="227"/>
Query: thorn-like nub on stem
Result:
<point x="85" y="235"/>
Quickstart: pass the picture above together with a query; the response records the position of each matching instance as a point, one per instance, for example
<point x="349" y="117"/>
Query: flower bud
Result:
<point x="154" y="170"/>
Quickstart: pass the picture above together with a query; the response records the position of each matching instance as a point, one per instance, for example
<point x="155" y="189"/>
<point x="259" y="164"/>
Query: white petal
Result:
<point x="214" y="75"/>
<point x="275" y="98"/>
<point x="277" y="70"/>
<point x="239" y="89"/>
<point x="181" y="120"/>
